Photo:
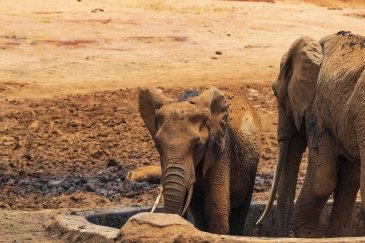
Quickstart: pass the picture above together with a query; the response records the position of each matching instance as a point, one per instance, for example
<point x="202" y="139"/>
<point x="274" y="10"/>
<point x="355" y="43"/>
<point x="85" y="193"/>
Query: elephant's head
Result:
<point x="295" y="89"/>
<point x="187" y="134"/>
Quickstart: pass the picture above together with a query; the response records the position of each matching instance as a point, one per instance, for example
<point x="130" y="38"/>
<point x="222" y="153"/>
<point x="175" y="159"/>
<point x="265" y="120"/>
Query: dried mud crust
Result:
<point x="75" y="151"/>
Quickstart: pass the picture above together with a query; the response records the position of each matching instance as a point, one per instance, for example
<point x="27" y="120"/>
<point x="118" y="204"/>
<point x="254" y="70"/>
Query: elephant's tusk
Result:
<point x="190" y="194"/>
<point x="157" y="199"/>
<point x="277" y="174"/>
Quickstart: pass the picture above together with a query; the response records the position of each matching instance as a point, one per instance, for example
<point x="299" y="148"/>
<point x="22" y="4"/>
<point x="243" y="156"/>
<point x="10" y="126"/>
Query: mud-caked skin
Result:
<point x="321" y="102"/>
<point x="209" y="148"/>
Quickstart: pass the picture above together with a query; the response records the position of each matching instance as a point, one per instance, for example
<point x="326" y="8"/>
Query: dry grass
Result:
<point x="323" y="3"/>
<point x="337" y="3"/>
<point x="266" y="1"/>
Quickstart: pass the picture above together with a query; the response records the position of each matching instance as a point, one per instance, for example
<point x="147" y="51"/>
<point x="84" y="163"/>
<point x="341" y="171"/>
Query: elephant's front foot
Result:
<point x="339" y="231"/>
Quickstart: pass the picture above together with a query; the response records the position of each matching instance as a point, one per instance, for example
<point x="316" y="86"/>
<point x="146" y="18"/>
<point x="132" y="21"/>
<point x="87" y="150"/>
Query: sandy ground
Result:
<point x="69" y="77"/>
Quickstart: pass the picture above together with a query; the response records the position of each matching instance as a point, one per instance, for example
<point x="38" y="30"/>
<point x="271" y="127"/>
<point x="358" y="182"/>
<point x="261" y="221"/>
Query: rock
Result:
<point x="53" y="183"/>
<point x="34" y="125"/>
<point x="146" y="227"/>
<point x="160" y="227"/>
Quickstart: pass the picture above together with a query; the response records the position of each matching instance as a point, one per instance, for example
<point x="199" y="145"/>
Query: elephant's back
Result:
<point x="338" y="82"/>
<point x="244" y="131"/>
<point x="244" y="119"/>
<point x="244" y="138"/>
<point x="343" y="62"/>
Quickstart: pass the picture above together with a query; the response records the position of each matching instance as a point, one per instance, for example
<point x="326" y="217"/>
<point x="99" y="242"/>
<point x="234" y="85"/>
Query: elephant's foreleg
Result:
<point x="320" y="182"/>
<point x="238" y="215"/>
<point x="307" y="210"/>
<point x="217" y="198"/>
<point x="348" y="183"/>
<point x="195" y="213"/>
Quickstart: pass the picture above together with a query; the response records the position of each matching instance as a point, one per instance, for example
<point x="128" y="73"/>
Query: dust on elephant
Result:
<point x="209" y="150"/>
<point x="321" y="102"/>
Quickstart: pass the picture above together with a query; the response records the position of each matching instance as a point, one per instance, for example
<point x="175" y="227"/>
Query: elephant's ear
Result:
<point x="298" y="76"/>
<point x="150" y="100"/>
<point x="217" y="125"/>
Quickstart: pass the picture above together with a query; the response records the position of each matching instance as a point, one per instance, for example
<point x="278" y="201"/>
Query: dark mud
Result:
<point x="75" y="151"/>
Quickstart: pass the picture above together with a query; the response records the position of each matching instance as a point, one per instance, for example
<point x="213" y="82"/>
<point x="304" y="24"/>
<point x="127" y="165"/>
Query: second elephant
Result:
<point x="321" y="102"/>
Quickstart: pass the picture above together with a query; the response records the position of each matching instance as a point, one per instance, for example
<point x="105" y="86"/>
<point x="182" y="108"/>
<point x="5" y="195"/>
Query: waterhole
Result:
<point x="105" y="224"/>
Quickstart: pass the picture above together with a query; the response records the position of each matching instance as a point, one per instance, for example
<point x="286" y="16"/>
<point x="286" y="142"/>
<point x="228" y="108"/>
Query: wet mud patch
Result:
<point x="75" y="151"/>
<point x="109" y="184"/>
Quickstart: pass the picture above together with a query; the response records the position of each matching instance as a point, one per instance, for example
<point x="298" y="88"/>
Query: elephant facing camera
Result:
<point x="209" y="147"/>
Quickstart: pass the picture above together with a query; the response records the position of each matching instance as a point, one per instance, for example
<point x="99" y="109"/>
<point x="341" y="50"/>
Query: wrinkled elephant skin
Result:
<point x="321" y="102"/>
<point x="209" y="150"/>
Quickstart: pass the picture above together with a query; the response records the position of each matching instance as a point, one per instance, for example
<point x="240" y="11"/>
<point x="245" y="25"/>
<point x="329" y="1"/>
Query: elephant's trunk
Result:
<point x="175" y="189"/>
<point x="283" y="149"/>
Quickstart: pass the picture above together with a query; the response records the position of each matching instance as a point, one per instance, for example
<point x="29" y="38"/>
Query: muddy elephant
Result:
<point x="321" y="104"/>
<point x="209" y="146"/>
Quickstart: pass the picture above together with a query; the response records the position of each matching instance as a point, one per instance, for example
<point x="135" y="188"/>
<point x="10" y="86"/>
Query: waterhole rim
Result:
<point x="80" y="226"/>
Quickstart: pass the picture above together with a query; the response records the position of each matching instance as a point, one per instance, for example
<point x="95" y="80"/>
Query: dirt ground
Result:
<point x="69" y="78"/>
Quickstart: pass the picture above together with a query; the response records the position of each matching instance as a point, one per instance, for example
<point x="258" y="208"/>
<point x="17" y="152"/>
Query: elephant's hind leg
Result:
<point x="358" y="101"/>
<point x="348" y="183"/>
<point x="217" y="198"/>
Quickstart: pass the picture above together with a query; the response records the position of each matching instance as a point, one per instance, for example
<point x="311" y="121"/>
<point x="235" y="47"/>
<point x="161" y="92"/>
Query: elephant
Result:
<point x="209" y="147"/>
<point x="320" y="92"/>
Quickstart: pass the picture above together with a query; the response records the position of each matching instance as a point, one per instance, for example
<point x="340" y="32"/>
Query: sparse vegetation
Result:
<point x="337" y="3"/>
<point x="322" y="3"/>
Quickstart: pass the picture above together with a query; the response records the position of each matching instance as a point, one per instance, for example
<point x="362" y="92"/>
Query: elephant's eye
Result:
<point x="276" y="95"/>
<point x="159" y="119"/>
<point x="288" y="73"/>
<point x="158" y="147"/>
<point x="288" y="69"/>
